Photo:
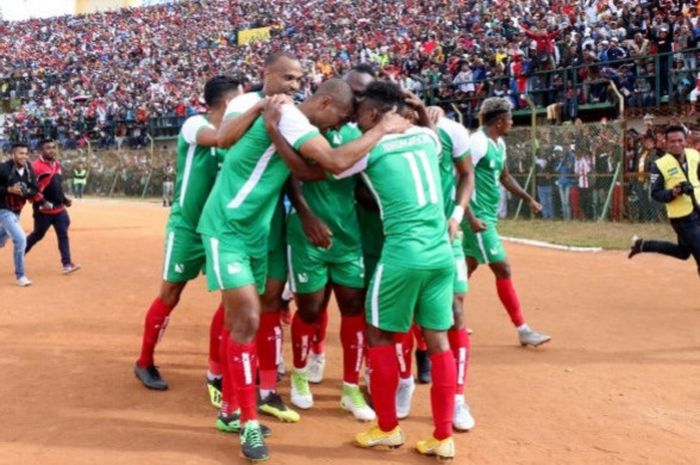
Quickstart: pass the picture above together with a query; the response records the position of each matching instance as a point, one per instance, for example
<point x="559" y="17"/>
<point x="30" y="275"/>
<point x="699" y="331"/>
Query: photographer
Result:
<point x="675" y="183"/>
<point x="17" y="185"/>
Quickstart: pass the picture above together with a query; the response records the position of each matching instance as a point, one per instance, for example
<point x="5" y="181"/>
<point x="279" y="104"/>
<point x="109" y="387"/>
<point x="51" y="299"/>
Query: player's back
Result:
<point x="403" y="174"/>
<point x="197" y="168"/>
<point x="243" y="199"/>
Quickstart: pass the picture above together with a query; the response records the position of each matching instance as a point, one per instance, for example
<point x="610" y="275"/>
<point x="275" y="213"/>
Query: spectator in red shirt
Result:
<point x="53" y="211"/>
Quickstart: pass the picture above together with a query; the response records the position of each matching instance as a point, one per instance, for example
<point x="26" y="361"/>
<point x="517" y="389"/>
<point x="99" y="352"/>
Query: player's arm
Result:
<point x="465" y="188"/>
<point x="340" y="159"/>
<point x="417" y="105"/>
<point x="315" y="229"/>
<point x="234" y="126"/>
<point x="299" y="167"/>
<point x="514" y="188"/>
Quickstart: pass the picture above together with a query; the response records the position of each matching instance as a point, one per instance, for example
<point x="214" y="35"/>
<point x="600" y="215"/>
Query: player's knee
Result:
<point x="170" y="293"/>
<point x="436" y="341"/>
<point x="502" y="270"/>
<point x="244" y="322"/>
<point x="309" y="312"/>
<point x="352" y="306"/>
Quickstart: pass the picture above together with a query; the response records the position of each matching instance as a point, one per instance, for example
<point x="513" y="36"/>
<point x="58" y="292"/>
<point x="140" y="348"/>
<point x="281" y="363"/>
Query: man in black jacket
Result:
<point x="53" y="212"/>
<point x="17" y="185"/>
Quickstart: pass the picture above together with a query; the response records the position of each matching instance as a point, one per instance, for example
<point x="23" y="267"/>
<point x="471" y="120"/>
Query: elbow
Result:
<point x="335" y="167"/>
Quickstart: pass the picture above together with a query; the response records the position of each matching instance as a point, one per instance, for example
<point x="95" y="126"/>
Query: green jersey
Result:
<point x="403" y="174"/>
<point x="197" y="167"/>
<point x="488" y="157"/>
<point x="333" y="200"/>
<point x="242" y="202"/>
<point x="455" y="147"/>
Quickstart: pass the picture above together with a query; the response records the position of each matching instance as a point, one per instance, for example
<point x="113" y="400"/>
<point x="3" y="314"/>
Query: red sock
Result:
<point x="269" y="347"/>
<point x="461" y="347"/>
<point x="302" y="334"/>
<point x="352" y="338"/>
<point x="319" y="343"/>
<point x="403" y="343"/>
<point x="243" y="363"/>
<point x="442" y="393"/>
<point x="153" y="328"/>
<point x="215" y="328"/>
<point x="384" y="380"/>
<point x="420" y="341"/>
<point x="229" y="401"/>
<point x="509" y="299"/>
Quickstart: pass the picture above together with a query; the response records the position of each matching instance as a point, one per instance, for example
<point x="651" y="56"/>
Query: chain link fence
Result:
<point x="129" y="173"/>
<point x="580" y="171"/>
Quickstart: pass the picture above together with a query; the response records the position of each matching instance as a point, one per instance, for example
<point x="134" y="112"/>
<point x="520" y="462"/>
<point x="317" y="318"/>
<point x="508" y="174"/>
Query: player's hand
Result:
<point x="477" y="225"/>
<point x="67" y="202"/>
<point x="412" y="100"/>
<point x="280" y="99"/>
<point x="316" y="231"/>
<point x="393" y="123"/>
<point x="15" y="189"/>
<point x="453" y="228"/>
<point x="677" y="191"/>
<point x="46" y="205"/>
<point x="272" y="113"/>
<point x="435" y="113"/>
<point x="535" y="206"/>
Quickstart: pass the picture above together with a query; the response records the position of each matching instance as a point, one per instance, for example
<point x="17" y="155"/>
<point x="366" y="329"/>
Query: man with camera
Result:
<point x="17" y="185"/>
<point x="675" y="182"/>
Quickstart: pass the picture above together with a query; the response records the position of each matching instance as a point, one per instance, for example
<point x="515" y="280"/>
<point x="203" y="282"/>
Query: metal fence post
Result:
<point x="609" y="197"/>
<point x="533" y="152"/>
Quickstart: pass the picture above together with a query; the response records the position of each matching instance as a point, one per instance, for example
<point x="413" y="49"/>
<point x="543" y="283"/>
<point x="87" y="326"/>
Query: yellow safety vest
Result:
<point x="80" y="176"/>
<point x="672" y="171"/>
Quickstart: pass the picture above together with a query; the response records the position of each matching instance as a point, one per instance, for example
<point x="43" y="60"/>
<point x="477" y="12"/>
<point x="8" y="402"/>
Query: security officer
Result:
<point x="675" y="183"/>
<point x="79" y="180"/>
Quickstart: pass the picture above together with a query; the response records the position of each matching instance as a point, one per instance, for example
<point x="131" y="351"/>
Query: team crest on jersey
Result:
<point x="337" y="139"/>
<point x="179" y="268"/>
<point x="234" y="268"/>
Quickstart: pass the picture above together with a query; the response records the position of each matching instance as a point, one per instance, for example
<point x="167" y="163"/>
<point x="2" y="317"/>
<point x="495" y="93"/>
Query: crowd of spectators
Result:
<point x="116" y="77"/>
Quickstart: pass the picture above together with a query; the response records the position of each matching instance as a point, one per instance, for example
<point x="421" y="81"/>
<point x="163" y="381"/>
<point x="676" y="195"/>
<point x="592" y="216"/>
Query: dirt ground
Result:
<point x="618" y="384"/>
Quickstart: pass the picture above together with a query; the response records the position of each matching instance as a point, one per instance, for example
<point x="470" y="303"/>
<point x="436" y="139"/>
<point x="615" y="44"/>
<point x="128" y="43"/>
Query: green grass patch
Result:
<point x="585" y="234"/>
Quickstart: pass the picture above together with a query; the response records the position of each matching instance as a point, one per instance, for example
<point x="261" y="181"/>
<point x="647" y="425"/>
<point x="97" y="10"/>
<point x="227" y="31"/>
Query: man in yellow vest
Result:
<point x="79" y="180"/>
<point x="675" y="183"/>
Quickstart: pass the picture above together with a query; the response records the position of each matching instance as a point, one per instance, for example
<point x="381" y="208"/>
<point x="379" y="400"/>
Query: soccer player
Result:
<point x="337" y="261"/>
<point x="235" y="222"/>
<point x="281" y="79"/>
<point x="482" y="244"/>
<point x="53" y="211"/>
<point x="457" y="183"/>
<point x="414" y="277"/>
<point x="197" y="169"/>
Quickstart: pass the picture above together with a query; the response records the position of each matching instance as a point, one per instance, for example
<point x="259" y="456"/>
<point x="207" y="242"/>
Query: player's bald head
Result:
<point x="331" y="106"/>
<point x="339" y="92"/>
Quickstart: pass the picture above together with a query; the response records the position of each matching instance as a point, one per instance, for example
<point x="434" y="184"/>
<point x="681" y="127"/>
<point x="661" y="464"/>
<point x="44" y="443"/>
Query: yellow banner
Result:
<point x="251" y="35"/>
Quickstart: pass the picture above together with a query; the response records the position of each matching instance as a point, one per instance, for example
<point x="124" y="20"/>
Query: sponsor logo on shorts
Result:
<point x="493" y="251"/>
<point x="234" y="268"/>
<point x="179" y="268"/>
<point x="302" y="277"/>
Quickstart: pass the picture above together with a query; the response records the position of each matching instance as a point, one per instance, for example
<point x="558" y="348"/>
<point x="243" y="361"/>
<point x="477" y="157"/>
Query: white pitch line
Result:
<point x="549" y="245"/>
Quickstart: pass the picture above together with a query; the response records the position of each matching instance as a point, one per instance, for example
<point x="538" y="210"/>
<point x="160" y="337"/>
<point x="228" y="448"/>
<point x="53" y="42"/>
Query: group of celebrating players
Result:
<point x="391" y="213"/>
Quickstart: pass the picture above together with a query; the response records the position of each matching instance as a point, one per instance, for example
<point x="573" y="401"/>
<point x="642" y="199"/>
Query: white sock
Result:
<point x="459" y="399"/>
<point x="266" y="392"/>
<point x="212" y="377"/>
<point x="523" y="328"/>
<point x="406" y="381"/>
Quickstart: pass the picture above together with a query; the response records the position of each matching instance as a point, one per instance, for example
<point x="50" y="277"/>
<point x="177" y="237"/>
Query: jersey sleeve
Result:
<point x="295" y="127"/>
<point x="459" y="135"/>
<point x="478" y="146"/>
<point x="192" y="127"/>
<point x="240" y="105"/>
<point x="358" y="167"/>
